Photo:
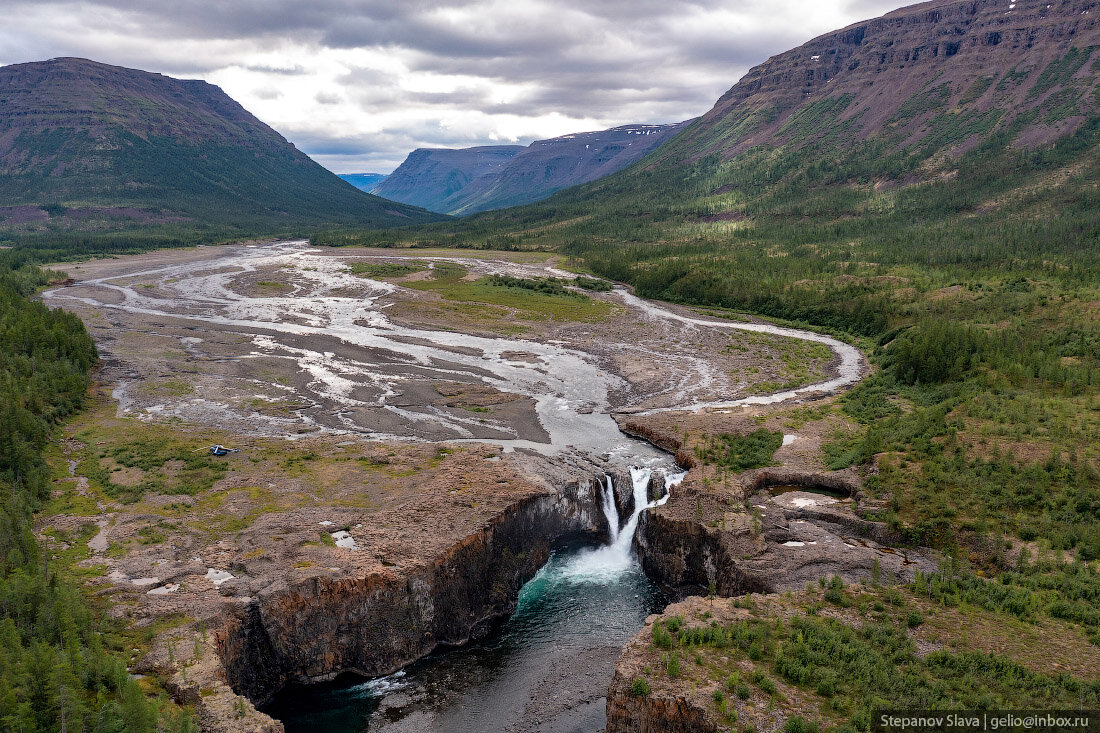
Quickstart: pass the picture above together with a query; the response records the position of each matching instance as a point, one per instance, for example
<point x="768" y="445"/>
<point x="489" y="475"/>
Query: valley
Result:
<point x="379" y="444"/>
<point x="783" y="422"/>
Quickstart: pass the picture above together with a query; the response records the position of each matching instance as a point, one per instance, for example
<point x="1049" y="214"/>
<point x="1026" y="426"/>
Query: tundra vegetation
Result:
<point x="831" y="656"/>
<point x="966" y="262"/>
<point x="62" y="664"/>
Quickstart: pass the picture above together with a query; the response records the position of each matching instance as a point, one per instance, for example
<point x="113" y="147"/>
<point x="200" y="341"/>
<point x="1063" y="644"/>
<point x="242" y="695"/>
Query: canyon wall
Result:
<point x="377" y="623"/>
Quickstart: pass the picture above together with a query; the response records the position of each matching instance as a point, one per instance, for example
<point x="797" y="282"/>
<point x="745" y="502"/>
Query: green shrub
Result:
<point x="661" y="637"/>
<point x="796" y="724"/>
<point x="674" y="667"/>
<point x="741" y="452"/>
<point x="639" y="687"/>
<point x="591" y="283"/>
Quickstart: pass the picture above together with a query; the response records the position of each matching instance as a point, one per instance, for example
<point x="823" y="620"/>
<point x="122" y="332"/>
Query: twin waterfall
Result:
<point x="611" y="560"/>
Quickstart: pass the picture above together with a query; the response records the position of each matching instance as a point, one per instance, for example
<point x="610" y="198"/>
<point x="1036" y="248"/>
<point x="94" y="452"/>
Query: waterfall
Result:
<point x="609" y="509"/>
<point x="607" y="563"/>
<point x="640" y="478"/>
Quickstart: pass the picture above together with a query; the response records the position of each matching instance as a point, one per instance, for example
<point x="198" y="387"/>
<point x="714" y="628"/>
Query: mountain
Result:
<point x="949" y="132"/>
<point x="363" y="181"/>
<point x="430" y="176"/>
<point x="930" y="82"/>
<point x="977" y="116"/>
<point x="546" y="166"/>
<point x="470" y="180"/>
<point x="89" y="147"/>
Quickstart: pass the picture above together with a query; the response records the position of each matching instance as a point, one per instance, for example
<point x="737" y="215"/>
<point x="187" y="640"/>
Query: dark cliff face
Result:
<point x="479" y="179"/>
<point x="379" y="623"/>
<point x="128" y="144"/>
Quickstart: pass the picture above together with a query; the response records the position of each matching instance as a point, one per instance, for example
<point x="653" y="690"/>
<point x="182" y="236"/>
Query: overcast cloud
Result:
<point x="358" y="84"/>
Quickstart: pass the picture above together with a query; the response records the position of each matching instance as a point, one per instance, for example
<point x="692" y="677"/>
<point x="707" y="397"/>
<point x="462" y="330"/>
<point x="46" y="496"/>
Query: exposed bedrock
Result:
<point x="662" y="439"/>
<point x="697" y="540"/>
<point x="627" y="713"/>
<point x="738" y="538"/>
<point x="843" y="482"/>
<point x="377" y="623"/>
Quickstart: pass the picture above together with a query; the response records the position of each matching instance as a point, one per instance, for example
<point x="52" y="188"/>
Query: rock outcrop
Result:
<point x="697" y="541"/>
<point x="735" y="541"/>
<point x="378" y="622"/>
<point x="664" y="440"/>
<point x="627" y="713"/>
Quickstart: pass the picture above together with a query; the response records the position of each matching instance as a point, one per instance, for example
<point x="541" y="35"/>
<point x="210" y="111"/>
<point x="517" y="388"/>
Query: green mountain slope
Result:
<point x="90" y="147"/>
<point x="946" y="132"/>
<point x="927" y="184"/>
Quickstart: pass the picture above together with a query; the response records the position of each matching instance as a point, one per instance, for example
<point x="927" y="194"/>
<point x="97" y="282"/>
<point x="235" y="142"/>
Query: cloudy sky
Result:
<point x="357" y="84"/>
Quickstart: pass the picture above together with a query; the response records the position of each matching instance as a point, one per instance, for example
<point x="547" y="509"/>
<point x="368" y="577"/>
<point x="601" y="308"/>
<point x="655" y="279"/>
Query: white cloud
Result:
<point x="360" y="83"/>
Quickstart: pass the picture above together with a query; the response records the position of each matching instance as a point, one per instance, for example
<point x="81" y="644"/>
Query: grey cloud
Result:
<point x="280" y="70"/>
<point x="612" y="60"/>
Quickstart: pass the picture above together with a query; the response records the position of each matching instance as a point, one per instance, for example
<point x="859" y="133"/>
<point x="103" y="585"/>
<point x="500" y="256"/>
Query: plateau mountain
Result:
<point x="470" y="180"/>
<point x="89" y="147"/>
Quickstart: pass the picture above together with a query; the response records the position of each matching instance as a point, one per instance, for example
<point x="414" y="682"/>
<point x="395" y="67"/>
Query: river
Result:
<point x="545" y="669"/>
<point x="329" y="348"/>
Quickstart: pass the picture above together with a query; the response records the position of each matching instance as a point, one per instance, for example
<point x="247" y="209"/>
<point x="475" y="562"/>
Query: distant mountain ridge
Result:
<point x="430" y="177"/>
<point x="85" y="146"/>
<point x="363" y="181"/>
<point x="470" y="180"/>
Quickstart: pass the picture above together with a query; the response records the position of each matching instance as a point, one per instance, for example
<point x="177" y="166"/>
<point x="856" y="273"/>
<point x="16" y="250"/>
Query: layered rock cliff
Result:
<point x="934" y="77"/>
<point x="378" y="622"/>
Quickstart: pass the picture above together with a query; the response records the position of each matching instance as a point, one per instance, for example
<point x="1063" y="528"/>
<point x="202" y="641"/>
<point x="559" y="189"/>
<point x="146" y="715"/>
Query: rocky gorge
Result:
<point x="377" y="623"/>
<point x="357" y="554"/>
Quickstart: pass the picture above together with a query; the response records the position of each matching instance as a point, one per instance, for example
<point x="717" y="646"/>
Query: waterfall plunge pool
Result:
<point x="546" y="668"/>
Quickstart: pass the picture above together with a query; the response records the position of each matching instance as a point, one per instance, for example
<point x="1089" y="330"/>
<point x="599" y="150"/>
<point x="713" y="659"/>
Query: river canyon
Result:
<point x="444" y="483"/>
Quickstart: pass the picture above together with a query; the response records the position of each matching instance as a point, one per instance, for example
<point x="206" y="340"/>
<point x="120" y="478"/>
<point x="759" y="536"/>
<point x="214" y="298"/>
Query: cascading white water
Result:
<point x="604" y="564"/>
<point x="639" y="477"/>
<point x="610" y="511"/>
